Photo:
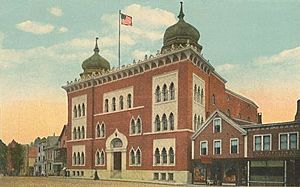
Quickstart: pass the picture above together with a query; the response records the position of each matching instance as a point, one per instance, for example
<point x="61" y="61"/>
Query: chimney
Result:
<point x="259" y="118"/>
<point x="297" y="116"/>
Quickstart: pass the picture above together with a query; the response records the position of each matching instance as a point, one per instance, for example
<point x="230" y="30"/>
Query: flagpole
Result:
<point x="119" y="37"/>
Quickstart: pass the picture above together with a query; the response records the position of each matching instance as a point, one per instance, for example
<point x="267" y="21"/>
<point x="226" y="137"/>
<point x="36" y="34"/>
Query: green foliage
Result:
<point x="17" y="158"/>
<point x="3" y="156"/>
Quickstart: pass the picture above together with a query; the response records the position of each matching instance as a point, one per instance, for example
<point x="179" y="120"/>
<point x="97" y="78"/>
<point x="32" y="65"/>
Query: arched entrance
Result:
<point x="116" y="145"/>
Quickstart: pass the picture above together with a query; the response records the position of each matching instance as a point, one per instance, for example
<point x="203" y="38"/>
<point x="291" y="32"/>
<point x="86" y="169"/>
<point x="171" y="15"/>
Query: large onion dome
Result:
<point x="181" y="33"/>
<point x="95" y="63"/>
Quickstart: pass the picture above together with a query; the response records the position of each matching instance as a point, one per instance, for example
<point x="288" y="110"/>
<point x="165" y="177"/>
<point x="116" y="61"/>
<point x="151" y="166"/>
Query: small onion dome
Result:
<point x="95" y="63"/>
<point x="181" y="33"/>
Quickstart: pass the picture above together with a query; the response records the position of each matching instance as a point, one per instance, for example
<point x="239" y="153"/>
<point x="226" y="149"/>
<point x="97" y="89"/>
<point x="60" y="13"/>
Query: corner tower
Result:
<point x="181" y="33"/>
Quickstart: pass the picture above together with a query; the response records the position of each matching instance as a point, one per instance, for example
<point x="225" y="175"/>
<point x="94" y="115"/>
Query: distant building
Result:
<point x="32" y="154"/>
<point x="40" y="166"/>
<point x="60" y="153"/>
<point x="227" y="150"/>
<point x="3" y="157"/>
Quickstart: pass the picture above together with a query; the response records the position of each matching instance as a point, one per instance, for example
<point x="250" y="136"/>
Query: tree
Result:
<point x="17" y="158"/>
<point x="3" y="156"/>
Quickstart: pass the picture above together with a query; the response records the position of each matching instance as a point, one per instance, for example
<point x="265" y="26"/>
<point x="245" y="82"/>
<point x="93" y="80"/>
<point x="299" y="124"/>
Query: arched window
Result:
<point x="132" y="157"/>
<point x="106" y="105"/>
<point x="78" y="158"/>
<point x="83" y="109"/>
<point x="213" y="99"/>
<point x="171" y="121"/>
<point x="74" y="133"/>
<point x="78" y="133"/>
<point x="74" y="158"/>
<point x="202" y="96"/>
<point x="157" y="156"/>
<point x="138" y="126"/>
<point x="113" y="103"/>
<point x="82" y="158"/>
<point x="102" y="158"/>
<point x="75" y="112"/>
<point x="195" y="122"/>
<point x="164" y="122"/>
<point x="165" y="92"/>
<point x="138" y="157"/>
<point x="98" y="130"/>
<point x="129" y="101"/>
<point x="171" y="155"/>
<point x="132" y="126"/>
<point x="202" y="120"/>
<point x="157" y="94"/>
<point x="102" y="130"/>
<point x="228" y="112"/>
<point x="82" y="132"/>
<point x="172" y="91"/>
<point x="157" y="123"/>
<point x="195" y="92"/>
<point x="98" y="158"/>
<point x="121" y="103"/>
<point x="79" y="111"/>
<point x="164" y="156"/>
<point x="198" y="94"/>
<point x="198" y="122"/>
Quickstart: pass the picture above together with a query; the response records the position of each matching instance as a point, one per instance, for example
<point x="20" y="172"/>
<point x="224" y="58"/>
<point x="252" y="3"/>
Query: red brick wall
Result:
<point x="228" y="131"/>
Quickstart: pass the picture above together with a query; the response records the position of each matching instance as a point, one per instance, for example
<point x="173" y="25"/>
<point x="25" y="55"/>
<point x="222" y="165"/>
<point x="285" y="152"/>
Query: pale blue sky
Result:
<point x="253" y="44"/>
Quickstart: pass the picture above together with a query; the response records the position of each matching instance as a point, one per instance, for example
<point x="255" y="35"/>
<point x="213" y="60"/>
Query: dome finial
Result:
<point x="181" y="14"/>
<point x="96" y="50"/>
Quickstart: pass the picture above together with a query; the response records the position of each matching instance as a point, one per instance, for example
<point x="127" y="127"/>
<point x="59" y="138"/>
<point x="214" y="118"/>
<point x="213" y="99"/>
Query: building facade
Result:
<point x="136" y="122"/>
<point x="60" y="153"/>
<point x="231" y="151"/>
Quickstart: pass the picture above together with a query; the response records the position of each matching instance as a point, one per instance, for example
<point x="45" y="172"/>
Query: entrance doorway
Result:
<point x="117" y="161"/>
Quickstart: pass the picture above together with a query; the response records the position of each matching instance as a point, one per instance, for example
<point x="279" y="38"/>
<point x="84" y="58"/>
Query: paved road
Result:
<point x="63" y="182"/>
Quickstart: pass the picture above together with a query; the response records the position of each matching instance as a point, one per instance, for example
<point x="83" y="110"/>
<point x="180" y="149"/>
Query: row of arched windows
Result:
<point x="165" y="93"/>
<point x="198" y="121"/>
<point x="164" y="124"/>
<point x="164" y="156"/>
<point x="78" y="133"/>
<point x="100" y="158"/>
<point x="79" y="110"/>
<point x="100" y="130"/>
<point x="78" y="159"/>
<point x="136" y="126"/>
<point x="121" y="105"/>
<point x="198" y="94"/>
<point x="135" y="156"/>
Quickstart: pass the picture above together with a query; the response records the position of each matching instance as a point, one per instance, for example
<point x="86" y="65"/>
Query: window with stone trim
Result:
<point x="171" y="121"/>
<point x="129" y="101"/>
<point x="75" y="112"/>
<point x="83" y="109"/>
<point x="157" y="123"/>
<point x="113" y="103"/>
<point x="82" y="158"/>
<point x="172" y="91"/>
<point x="106" y="105"/>
<point x="157" y="156"/>
<point x="82" y="132"/>
<point x="132" y="126"/>
<point x="121" y="102"/>
<point x="164" y="122"/>
<point x="78" y="133"/>
<point x="157" y="94"/>
<point x="79" y="111"/>
<point x="171" y="155"/>
<point x="164" y="156"/>
<point x="165" y="92"/>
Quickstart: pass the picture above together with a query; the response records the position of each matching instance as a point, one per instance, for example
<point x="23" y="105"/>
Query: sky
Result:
<point x="254" y="45"/>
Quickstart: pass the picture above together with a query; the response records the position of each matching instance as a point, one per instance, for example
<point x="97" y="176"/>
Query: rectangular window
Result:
<point x="82" y="173"/>
<point x="217" y="147"/>
<point x="163" y="176"/>
<point x="262" y="142"/>
<point x="293" y="141"/>
<point x="283" y="141"/>
<point x="155" y="176"/>
<point x="234" y="146"/>
<point x="170" y="176"/>
<point x="203" y="148"/>
<point x="217" y="125"/>
<point x="257" y="143"/>
<point x="267" y="142"/>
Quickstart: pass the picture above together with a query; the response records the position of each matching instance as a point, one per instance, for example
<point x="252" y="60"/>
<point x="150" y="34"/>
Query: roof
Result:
<point x="224" y="117"/>
<point x="241" y="97"/>
<point x="62" y="132"/>
<point x="52" y="141"/>
<point x="255" y="125"/>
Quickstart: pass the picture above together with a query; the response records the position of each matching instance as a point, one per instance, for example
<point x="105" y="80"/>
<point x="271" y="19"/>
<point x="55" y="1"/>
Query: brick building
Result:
<point x="135" y="122"/>
<point x="227" y="150"/>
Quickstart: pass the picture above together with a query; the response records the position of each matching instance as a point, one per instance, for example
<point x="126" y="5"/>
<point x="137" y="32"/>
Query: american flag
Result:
<point x="126" y="20"/>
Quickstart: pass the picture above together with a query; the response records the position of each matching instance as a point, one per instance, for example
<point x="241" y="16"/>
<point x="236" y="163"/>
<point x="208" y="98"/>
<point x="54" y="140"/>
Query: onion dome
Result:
<point x="95" y="63"/>
<point x="181" y="33"/>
